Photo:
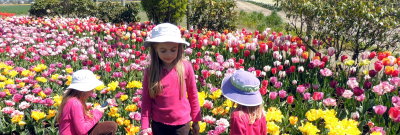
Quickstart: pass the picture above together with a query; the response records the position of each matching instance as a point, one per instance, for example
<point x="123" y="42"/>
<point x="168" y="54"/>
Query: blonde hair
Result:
<point x="155" y="73"/>
<point x="82" y="97"/>
<point x="255" y="112"/>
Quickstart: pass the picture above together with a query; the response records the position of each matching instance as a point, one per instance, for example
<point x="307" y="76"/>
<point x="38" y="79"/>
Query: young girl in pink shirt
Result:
<point x="248" y="118"/>
<point x="74" y="117"/>
<point x="169" y="99"/>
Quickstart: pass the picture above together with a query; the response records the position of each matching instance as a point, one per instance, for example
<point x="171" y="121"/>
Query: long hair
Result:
<point x="155" y="73"/>
<point x="255" y="112"/>
<point x="82" y="97"/>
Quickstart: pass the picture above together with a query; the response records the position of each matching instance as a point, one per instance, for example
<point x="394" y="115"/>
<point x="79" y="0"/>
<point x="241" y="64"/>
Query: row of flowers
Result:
<point x="304" y="92"/>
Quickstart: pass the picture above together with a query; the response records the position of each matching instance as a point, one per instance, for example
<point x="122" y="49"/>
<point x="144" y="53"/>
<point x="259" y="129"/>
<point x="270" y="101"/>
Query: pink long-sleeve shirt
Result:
<point x="74" y="121"/>
<point x="241" y="126"/>
<point x="169" y="108"/>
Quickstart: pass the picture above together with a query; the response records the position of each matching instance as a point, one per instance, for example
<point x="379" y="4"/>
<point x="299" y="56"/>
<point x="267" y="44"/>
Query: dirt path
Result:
<point x="249" y="7"/>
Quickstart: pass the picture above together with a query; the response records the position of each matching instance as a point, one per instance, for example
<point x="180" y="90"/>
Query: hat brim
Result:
<point x="148" y="42"/>
<point x="86" y="86"/>
<point x="235" y="95"/>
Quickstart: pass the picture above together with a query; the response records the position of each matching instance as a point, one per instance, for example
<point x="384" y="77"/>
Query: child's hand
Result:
<point x="101" y="109"/>
<point x="195" y="128"/>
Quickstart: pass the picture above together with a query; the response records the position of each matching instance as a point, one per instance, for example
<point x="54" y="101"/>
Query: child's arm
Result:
<point x="146" y="103"/>
<point x="192" y="93"/>
<point x="81" y="124"/>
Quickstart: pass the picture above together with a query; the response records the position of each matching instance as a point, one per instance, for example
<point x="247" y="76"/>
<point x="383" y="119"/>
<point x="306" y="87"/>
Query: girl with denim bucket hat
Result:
<point x="169" y="100"/>
<point x="73" y="116"/>
<point x="248" y="118"/>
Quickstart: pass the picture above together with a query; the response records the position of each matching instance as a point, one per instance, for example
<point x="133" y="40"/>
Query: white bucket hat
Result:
<point x="165" y="32"/>
<point x="84" y="80"/>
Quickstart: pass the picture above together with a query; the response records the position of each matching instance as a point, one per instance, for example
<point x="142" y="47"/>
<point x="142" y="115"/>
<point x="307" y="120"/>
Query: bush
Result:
<point x="214" y="15"/>
<point x="160" y="11"/>
<point x="109" y="12"/>
<point x="116" y="13"/>
<point x="130" y="13"/>
<point x="78" y="8"/>
<point x="43" y="8"/>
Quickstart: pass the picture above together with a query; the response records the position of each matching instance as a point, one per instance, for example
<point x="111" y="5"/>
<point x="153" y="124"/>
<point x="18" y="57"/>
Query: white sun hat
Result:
<point x="165" y="32"/>
<point x="84" y="80"/>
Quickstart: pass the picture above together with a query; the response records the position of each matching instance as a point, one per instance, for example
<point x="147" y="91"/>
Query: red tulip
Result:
<point x="395" y="73"/>
<point x="241" y="61"/>
<point x="318" y="96"/>
<point x="280" y="67"/>
<point x="394" y="114"/>
<point x="378" y="66"/>
<point x="274" y="70"/>
<point x="108" y="68"/>
<point x="246" y="53"/>
<point x="344" y="57"/>
<point x="196" y="67"/>
<point x="263" y="90"/>
<point x="117" y="65"/>
<point x="264" y="83"/>
<point x="372" y="55"/>
<point x="290" y="99"/>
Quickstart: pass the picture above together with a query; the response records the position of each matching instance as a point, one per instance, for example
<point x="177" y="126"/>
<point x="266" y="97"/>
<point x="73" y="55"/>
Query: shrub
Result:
<point x="214" y="15"/>
<point x="43" y="8"/>
<point x="160" y="11"/>
<point x="78" y="8"/>
<point x="130" y="13"/>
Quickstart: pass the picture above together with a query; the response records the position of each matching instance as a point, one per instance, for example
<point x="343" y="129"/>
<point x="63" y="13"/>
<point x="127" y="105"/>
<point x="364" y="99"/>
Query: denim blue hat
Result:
<point x="243" y="88"/>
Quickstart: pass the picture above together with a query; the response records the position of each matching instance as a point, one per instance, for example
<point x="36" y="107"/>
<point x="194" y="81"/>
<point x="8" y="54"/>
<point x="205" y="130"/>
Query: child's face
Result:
<point x="167" y="51"/>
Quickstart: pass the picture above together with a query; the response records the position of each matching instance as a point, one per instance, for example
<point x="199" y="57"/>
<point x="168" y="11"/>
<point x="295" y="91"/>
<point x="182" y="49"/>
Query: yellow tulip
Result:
<point x="293" y="120"/>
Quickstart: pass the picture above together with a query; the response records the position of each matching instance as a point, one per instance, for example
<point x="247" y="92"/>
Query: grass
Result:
<point x="258" y="21"/>
<point x="17" y="9"/>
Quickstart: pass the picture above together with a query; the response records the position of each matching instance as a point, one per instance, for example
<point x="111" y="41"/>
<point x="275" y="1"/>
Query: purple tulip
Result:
<point x="333" y="84"/>
<point x="358" y="91"/>
<point x="372" y="73"/>
<point x="367" y="85"/>
<point x="339" y="91"/>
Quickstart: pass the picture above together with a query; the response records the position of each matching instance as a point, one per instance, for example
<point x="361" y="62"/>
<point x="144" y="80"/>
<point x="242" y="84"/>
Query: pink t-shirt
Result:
<point x="169" y="107"/>
<point x="74" y="121"/>
<point x="241" y="126"/>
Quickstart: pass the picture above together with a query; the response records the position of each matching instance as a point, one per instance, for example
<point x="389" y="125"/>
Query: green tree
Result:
<point x="160" y="11"/>
<point x="43" y="8"/>
<point x="356" y="25"/>
<point x="213" y="14"/>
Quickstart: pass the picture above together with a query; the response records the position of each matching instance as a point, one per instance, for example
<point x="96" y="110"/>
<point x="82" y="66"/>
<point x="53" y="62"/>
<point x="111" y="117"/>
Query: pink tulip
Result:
<point x="306" y="96"/>
<point x="352" y="82"/>
<point x="380" y="109"/>
<point x="360" y="98"/>
<point x="396" y="101"/>
<point x="300" y="89"/>
<point x="282" y="93"/>
<point x="378" y="129"/>
<point x="329" y="102"/>
<point x="273" y="95"/>
<point x="347" y="94"/>
<point x="326" y="72"/>
<point x="331" y="51"/>
<point x="355" y="115"/>
<point x="395" y="81"/>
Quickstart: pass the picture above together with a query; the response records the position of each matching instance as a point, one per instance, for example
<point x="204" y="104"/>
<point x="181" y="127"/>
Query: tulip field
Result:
<point x="304" y="92"/>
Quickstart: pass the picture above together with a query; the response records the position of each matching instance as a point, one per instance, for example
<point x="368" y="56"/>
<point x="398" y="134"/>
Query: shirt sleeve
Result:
<point x="146" y="103"/>
<point x="80" y="123"/>
<point x="236" y="126"/>
<point x="192" y="93"/>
